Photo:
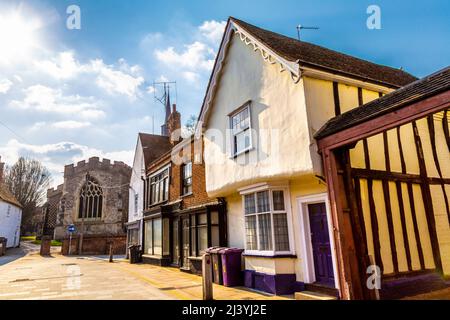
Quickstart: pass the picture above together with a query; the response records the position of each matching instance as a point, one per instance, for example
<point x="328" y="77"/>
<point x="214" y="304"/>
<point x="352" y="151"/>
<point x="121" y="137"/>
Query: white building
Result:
<point x="10" y="215"/>
<point x="148" y="148"/>
<point x="268" y="95"/>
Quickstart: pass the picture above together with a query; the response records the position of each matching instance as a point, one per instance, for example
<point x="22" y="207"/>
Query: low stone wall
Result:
<point x="95" y="245"/>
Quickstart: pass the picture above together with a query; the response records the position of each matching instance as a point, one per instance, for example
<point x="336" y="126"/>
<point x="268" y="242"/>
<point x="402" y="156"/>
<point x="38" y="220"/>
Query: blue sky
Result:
<point x="66" y="95"/>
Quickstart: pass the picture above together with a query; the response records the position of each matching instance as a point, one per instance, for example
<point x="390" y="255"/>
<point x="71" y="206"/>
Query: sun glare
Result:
<point x="18" y="36"/>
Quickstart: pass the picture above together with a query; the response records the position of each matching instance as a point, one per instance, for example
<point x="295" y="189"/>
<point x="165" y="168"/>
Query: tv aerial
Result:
<point x="300" y="27"/>
<point x="165" y="87"/>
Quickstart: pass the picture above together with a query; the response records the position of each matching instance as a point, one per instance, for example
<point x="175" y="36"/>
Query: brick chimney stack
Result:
<point x="173" y="124"/>
<point x="2" y="166"/>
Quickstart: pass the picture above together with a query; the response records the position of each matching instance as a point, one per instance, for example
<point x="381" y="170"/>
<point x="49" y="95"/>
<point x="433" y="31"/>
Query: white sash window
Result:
<point x="267" y="227"/>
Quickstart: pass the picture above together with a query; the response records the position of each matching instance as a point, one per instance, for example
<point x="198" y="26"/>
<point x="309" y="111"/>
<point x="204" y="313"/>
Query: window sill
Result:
<point x="248" y="150"/>
<point x="90" y="221"/>
<point x="154" y="205"/>
<point x="186" y="195"/>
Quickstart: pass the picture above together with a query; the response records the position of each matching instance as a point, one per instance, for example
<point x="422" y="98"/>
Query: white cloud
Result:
<point x="45" y="99"/>
<point x="117" y="82"/>
<point x="66" y="125"/>
<point x="213" y="30"/>
<point x="196" y="56"/>
<point x="5" y="85"/>
<point x="194" y="60"/>
<point x="70" y="124"/>
<point x="151" y="89"/>
<point x="191" y="76"/>
<point x="56" y="156"/>
<point x="61" y="66"/>
<point x="120" y="79"/>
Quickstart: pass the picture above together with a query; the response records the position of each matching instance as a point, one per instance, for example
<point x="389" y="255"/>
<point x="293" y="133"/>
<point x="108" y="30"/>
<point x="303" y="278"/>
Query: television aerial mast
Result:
<point x="300" y="27"/>
<point x="164" y="99"/>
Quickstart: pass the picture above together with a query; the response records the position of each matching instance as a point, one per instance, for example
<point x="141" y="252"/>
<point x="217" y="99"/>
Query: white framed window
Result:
<point x="241" y="134"/>
<point x="186" y="178"/>
<point x="267" y="226"/>
<point x="159" y="187"/>
<point x="136" y="203"/>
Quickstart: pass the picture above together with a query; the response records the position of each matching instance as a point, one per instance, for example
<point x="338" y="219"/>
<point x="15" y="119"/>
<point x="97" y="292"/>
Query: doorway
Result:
<point x="320" y="243"/>
<point x="185" y="248"/>
<point x="317" y="253"/>
<point x="175" y="242"/>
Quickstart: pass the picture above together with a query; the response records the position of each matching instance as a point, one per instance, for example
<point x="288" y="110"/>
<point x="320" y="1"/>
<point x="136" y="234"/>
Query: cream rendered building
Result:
<point x="267" y="96"/>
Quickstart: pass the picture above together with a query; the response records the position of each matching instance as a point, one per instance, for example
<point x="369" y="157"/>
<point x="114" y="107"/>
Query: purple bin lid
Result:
<point x="231" y="250"/>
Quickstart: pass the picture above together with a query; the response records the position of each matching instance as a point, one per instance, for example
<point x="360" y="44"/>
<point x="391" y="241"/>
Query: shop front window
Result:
<point x="204" y="232"/>
<point x="153" y="237"/>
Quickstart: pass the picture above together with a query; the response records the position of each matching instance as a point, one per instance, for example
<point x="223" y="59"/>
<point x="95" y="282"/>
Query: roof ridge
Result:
<point x="304" y="45"/>
<point x="435" y="83"/>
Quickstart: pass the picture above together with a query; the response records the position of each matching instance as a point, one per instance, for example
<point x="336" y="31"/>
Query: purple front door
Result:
<point x="320" y="240"/>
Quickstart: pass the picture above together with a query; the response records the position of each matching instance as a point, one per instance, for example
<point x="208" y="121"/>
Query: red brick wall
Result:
<point x="199" y="195"/>
<point x="95" y="245"/>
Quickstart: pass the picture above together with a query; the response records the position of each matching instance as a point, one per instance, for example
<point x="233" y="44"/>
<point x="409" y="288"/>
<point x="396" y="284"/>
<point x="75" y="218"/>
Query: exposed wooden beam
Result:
<point x="337" y="103"/>
<point x="374" y="223"/>
<point x="445" y="126"/>
<point x="415" y="225"/>
<point x="401" y="207"/>
<point x="390" y="223"/>
<point x="400" y="147"/>
<point x="396" y="176"/>
<point x="386" y="121"/>
<point x="432" y="133"/>
<point x="428" y="202"/>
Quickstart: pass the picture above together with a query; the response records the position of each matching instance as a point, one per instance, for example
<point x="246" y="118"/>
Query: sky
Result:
<point x="69" y="94"/>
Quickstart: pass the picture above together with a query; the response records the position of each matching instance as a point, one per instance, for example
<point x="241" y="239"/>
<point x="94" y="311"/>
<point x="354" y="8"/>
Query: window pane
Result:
<point x="235" y="121"/>
<point x="263" y="201"/>
<point x="278" y="200"/>
<point x="202" y="219"/>
<point x="202" y="239"/>
<point x="157" y="237"/>
<point x="193" y="243"/>
<point x="215" y="238"/>
<point x="245" y="115"/>
<point x="250" y="232"/>
<point x="281" y="232"/>
<point x="265" y="232"/>
<point x="156" y="193"/>
<point x="148" y="247"/>
<point x="214" y="217"/>
<point x="166" y="233"/>
<point x="166" y="193"/>
<point x="249" y="203"/>
<point x="188" y="172"/>
<point x="242" y="141"/>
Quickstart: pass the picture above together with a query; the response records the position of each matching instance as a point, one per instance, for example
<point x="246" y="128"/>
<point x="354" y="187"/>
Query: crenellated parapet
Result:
<point x="94" y="164"/>
<point x="55" y="191"/>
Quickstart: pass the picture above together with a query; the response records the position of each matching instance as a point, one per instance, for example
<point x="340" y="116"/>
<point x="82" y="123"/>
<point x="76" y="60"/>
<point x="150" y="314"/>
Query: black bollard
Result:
<point x="111" y="252"/>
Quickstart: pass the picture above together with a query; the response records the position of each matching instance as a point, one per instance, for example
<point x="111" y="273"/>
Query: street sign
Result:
<point x="71" y="228"/>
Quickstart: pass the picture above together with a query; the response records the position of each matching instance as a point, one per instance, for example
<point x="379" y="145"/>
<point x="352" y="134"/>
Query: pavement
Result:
<point x="24" y="274"/>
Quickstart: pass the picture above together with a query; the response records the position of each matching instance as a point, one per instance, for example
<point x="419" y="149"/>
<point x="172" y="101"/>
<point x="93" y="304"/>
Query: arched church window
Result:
<point x="91" y="197"/>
